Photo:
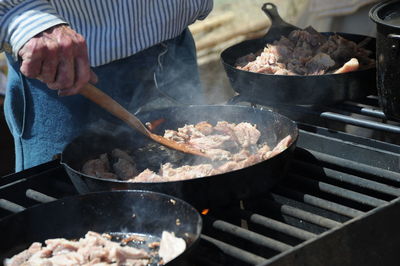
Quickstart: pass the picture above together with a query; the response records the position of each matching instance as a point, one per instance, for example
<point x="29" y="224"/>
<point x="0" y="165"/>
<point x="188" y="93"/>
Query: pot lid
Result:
<point x="386" y="13"/>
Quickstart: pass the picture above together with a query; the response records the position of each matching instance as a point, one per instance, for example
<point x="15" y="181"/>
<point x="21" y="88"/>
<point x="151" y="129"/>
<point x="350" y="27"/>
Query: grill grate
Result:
<point x="335" y="180"/>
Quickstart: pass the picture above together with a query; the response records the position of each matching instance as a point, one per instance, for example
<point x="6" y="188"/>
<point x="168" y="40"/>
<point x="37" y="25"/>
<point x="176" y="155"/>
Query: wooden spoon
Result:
<point x="100" y="98"/>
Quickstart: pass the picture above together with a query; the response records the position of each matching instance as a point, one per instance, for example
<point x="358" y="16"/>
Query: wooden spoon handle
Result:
<point x="96" y="95"/>
<point x="176" y="146"/>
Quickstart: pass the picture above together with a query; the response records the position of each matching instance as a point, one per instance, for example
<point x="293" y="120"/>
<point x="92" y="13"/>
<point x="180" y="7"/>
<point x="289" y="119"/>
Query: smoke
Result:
<point x="152" y="213"/>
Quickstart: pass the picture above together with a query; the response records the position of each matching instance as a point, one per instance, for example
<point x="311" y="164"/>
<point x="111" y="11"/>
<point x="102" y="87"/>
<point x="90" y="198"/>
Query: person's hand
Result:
<point x="59" y="58"/>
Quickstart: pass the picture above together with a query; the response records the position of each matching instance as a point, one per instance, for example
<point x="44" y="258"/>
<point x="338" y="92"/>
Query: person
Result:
<point x="140" y="52"/>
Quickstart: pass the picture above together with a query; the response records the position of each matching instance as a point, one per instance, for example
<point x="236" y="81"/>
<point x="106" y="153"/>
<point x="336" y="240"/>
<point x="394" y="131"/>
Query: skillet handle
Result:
<point x="279" y="27"/>
<point x="394" y="36"/>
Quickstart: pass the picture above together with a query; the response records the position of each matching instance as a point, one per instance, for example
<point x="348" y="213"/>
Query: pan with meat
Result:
<point x="113" y="228"/>
<point x="200" y="181"/>
<point x="290" y="65"/>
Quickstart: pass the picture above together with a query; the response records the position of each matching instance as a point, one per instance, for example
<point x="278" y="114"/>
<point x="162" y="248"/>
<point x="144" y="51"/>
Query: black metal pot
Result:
<point x="109" y="212"/>
<point x="205" y="192"/>
<point x="295" y="90"/>
<point x="385" y="15"/>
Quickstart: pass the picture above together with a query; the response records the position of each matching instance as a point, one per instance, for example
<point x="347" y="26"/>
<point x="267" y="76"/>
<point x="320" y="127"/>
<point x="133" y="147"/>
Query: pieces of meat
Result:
<point x="306" y="52"/>
<point x="24" y="256"/>
<point x="120" y="154"/>
<point x="96" y="165"/>
<point x="169" y="173"/>
<point x="209" y="142"/>
<point x="90" y="250"/>
<point x="218" y="154"/>
<point x="125" y="169"/>
<point x="99" y="168"/>
<point x="247" y="134"/>
<point x="170" y="246"/>
<point x="281" y="146"/>
<point x="319" y="64"/>
<point x="230" y="146"/>
<point x="204" y="127"/>
<point x="147" y="176"/>
<point x="351" y="65"/>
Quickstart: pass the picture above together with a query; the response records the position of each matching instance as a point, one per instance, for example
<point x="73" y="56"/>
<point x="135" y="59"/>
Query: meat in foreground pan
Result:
<point x="230" y="146"/>
<point x="101" y="249"/>
<point x="308" y="52"/>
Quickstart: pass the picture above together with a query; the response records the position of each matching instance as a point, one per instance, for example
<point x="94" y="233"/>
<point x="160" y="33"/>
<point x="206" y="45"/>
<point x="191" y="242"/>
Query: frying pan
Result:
<point x="110" y="212"/>
<point x="295" y="90"/>
<point x="202" y="192"/>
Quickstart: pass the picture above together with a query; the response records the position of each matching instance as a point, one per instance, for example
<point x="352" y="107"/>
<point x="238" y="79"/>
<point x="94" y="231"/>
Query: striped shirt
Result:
<point x="113" y="29"/>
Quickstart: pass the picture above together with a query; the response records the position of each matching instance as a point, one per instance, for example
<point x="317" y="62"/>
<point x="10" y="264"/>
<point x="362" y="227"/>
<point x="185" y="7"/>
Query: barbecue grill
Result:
<point x="339" y="205"/>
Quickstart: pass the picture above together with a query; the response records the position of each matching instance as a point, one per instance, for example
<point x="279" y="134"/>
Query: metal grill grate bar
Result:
<point x="360" y="122"/>
<point x="38" y="196"/>
<point x="360" y="110"/>
<point x="250" y="236"/>
<point x="235" y="252"/>
<point x="303" y="215"/>
<point x="340" y="192"/>
<point x="363" y="168"/>
<point x="275" y="225"/>
<point x="11" y="206"/>
<point x="321" y="203"/>
<point x="351" y="179"/>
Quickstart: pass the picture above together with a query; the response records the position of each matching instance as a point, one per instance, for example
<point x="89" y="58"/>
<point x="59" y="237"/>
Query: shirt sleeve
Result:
<point x="20" y="20"/>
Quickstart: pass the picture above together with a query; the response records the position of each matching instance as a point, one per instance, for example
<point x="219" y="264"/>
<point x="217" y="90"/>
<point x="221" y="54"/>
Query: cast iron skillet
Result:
<point x="110" y="212"/>
<point x="202" y="192"/>
<point x="298" y="90"/>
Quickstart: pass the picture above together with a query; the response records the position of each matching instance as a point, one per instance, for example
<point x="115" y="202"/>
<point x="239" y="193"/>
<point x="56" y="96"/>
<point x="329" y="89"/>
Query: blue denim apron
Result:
<point x="42" y="123"/>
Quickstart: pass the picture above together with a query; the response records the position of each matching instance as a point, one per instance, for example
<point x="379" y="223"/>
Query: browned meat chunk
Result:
<point x="174" y="135"/>
<point x="148" y="176"/>
<point x="227" y="167"/>
<point x="120" y="154"/>
<point x="224" y="127"/>
<point x="125" y="169"/>
<point x="99" y="168"/>
<point x="96" y="165"/>
<point x="189" y="131"/>
<point x="218" y="154"/>
<point x="319" y="64"/>
<point x="281" y="146"/>
<point x="242" y="155"/>
<point x="209" y="142"/>
<point x="246" y="134"/>
<point x="185" y="172"/>
<point x="204" y="127"/>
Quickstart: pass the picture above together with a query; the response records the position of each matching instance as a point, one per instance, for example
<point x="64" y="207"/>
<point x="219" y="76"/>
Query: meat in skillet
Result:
<point x="307" y="52"/>
<point x="231" y="147"/>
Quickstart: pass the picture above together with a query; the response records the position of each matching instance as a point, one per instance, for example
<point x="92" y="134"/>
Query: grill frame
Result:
<point x="339" y="186"/>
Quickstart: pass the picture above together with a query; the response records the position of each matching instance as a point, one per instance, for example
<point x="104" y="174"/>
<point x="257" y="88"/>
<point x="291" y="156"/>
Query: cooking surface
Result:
<point x="342" y="189"/>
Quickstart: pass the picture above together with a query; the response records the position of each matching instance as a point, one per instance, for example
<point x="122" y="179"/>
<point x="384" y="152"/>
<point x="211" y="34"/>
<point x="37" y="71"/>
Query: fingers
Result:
<point x="50" y="63"/>
<point x="83" y="74"/>
<point x="31" y="61"/>
<point x="59" y="58"/>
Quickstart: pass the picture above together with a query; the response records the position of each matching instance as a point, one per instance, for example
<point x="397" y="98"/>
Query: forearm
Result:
<point x="21" y="20"/>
